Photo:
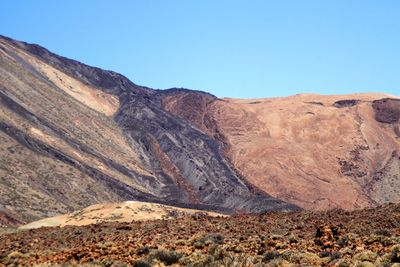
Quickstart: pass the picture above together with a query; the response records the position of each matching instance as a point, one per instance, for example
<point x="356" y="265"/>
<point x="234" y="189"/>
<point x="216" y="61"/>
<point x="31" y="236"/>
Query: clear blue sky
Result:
<point x="230" y="48"/>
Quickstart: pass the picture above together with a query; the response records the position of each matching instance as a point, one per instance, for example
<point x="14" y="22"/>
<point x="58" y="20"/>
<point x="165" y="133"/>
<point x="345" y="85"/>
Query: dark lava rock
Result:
<point x="387" y="110"/>
<point x="345" y="103"/>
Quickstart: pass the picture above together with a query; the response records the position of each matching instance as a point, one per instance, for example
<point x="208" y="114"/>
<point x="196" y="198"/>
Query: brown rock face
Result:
<point x="318" y="152"/>
<point x="387" y="110"/>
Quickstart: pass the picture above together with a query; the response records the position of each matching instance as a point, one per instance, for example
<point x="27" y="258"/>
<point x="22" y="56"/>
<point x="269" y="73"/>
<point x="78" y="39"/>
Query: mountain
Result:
<point x="318" y="152"/>
<point x="72" y="135"/>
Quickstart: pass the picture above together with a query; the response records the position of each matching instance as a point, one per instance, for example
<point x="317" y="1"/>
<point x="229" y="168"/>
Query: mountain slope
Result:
<point x="318" y="152"/>
<point x="74" y="135"/>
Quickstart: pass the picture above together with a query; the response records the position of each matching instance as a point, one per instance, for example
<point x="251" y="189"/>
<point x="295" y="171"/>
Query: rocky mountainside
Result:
<point x="318" y="152"/>
<point x="72" y="135"/>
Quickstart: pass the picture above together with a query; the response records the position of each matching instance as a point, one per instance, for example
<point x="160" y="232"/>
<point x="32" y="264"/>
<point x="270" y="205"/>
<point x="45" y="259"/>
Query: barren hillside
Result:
<point x="318" y="152"/>
<point x="72" y="135"/>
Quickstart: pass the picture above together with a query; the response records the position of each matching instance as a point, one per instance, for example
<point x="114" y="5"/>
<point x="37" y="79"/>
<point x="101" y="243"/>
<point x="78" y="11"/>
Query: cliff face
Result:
<point x="74" y="135"/>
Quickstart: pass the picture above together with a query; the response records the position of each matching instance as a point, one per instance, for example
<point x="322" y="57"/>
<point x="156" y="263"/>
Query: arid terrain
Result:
<point x="312" y="151"/>
<point x="72" y="136"/>
<point x="96" y="170"/>
<point x="368" y="237"/>
<point x="118" y="212"/>
<point x="318" y="152"/>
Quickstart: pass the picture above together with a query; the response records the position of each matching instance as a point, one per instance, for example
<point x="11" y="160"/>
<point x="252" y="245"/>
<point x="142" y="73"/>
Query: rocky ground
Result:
<point x="336" y="238"/>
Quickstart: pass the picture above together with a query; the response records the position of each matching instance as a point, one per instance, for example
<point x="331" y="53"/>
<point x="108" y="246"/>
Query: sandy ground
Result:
<point x="117" y="212"/>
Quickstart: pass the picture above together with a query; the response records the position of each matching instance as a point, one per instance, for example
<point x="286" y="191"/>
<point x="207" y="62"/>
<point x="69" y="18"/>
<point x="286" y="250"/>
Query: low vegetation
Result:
<point x="336" y="238"/>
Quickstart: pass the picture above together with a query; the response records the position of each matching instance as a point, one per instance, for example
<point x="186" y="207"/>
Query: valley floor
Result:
<point x="368" y="237"/>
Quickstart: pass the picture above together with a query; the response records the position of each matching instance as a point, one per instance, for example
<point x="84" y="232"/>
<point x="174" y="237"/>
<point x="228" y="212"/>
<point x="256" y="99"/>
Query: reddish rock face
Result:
<point x="318" y="152"/>
<point x="387" y="110"/>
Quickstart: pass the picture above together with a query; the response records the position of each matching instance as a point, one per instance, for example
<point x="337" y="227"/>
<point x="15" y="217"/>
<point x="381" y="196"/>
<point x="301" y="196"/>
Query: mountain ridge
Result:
<point x="75" y="135"/>
<point x="110" y="132"/>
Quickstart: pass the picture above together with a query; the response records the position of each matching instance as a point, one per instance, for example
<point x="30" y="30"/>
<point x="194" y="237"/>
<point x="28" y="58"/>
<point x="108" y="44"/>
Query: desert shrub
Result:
<point x="208" y="239"/>
<point x="305" y="258"/>
<point x="15" y="254"/>
<point x="199" y="244"/>
<point x="384" y="260"/>
<point x="365" y="264"/>
<point x="235" y="261"/>
<point x="270" y="255"/>
<point x="238" y="249"/>
<point x="336" y="255"/>
<point x="366" y="255"/>
<point x="324" y="254"/>
<point x="215" y="238"/>
<point x="293" y="240"/>
<point x="13" y="258"/>
<point x="279" y="263"/>
<point x="276" y="237"/>
<point x="196" y="260"/>
<point x="383" y="232"/>
<point x="343" y="242"/>
<point x="218" y="252"/>
<point x="143" y="250"/>
<point x="104" y="245"/>
<point x="141" y="263"/>
<point x="346" y="251"/>
<point x="343" y="263"/>
<point x="166" y="256"/>
<point x="281" y="245"/>
<point x="107" y="262"/>
<point x="331" y="255"/>
<point x="395" y="254"/>
<point x="353" y="237"/>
